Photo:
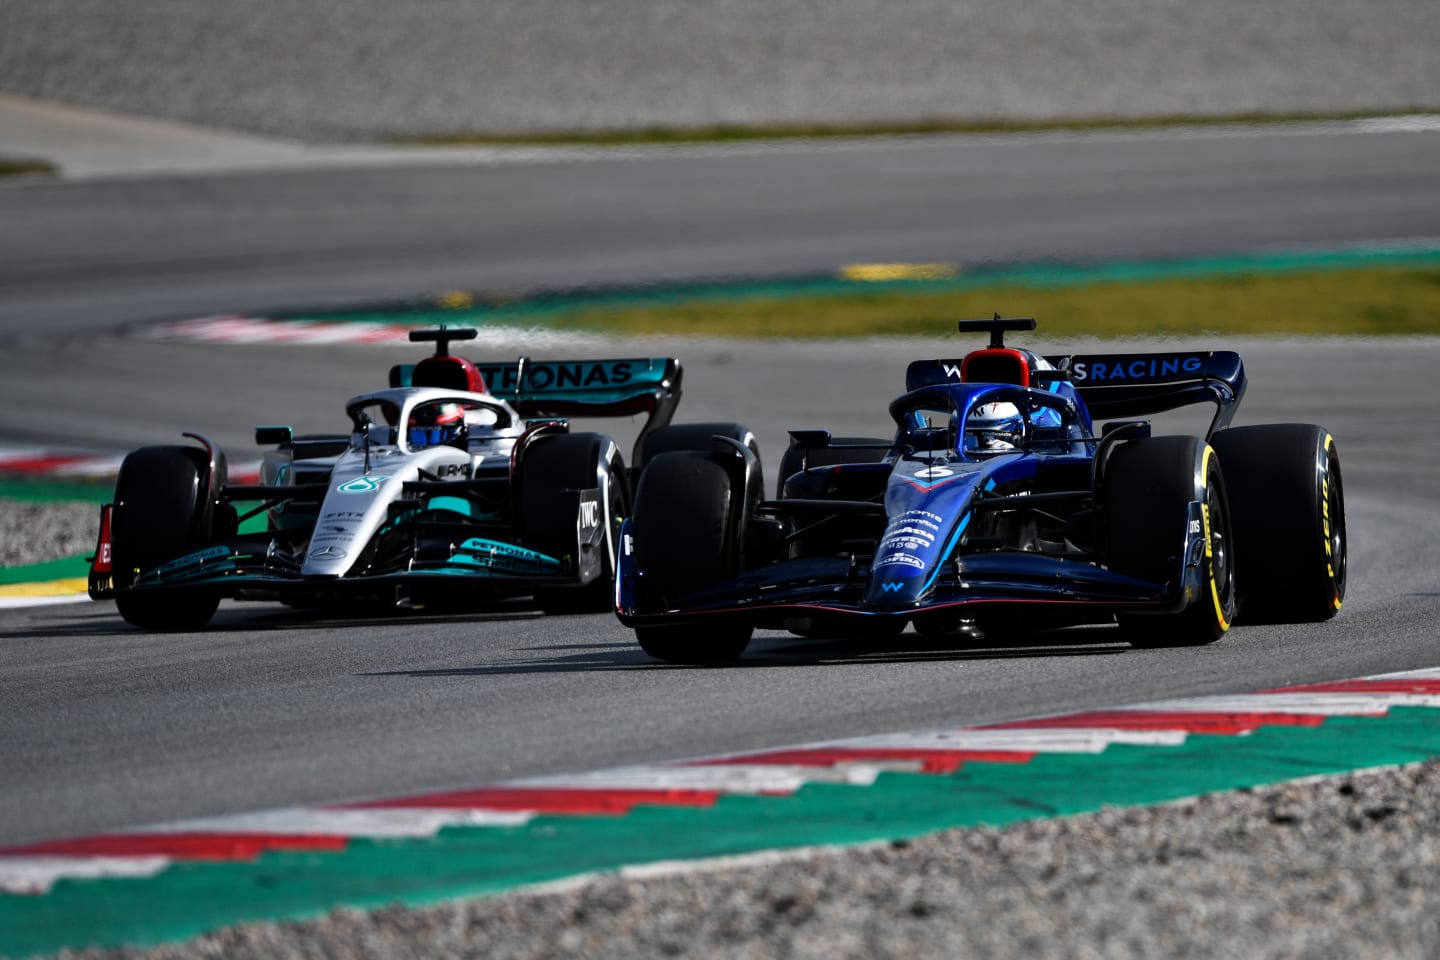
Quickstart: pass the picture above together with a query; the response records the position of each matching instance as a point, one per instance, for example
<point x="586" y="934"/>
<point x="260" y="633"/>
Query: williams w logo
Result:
<point x="891" y="586"/>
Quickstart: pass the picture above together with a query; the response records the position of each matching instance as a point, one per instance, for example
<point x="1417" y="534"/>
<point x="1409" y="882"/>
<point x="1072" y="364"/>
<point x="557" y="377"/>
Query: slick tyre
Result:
<point x="158" y="516"/>
<point x="1287" y="504"/>
<point x="1148" y="487"/>
<point x="747" y="484"/>
<point x="870" y="631"/>
<point x="695" y="436"/>
<point x="687" y="534"/>
<point x="796" y="459"/>
<point x="712" y="644"/>
<point x="555" y="469"/>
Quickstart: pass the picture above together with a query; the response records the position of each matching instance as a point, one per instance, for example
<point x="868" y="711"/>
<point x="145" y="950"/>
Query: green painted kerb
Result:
<point x="535" y="308"/>
<point x="62" y="569"/>
<point x="471" y="861"/>
<point x="49" y="490"/>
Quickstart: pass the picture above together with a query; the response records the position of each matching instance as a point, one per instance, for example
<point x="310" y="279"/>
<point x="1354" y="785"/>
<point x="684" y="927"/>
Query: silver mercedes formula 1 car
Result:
<point x="460" y="482"/>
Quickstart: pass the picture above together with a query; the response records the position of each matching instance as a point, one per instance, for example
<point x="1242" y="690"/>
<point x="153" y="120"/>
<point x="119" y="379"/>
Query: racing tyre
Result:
<point x="687" y="534"/>
<point x="1287" y="504"/>
<point x="799" y="458"/>
<point x="695" y="436"/>
<point x="875" y="630"/>
<point x="715" y="643"/>
<point x="159" y="506"/>
<point x="1149" y="485"/>
<point x="554" y="469"/>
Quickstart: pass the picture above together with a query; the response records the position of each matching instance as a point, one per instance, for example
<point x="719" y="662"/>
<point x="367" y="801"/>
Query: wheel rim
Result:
<point x="1219" y="544"/>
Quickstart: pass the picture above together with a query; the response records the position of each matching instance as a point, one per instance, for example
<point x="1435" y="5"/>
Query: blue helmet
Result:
<point x="432" y="424"/>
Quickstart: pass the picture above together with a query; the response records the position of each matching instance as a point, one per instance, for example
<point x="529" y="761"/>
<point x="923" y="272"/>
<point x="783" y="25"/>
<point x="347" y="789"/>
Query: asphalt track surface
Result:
<point x="105" y="727"/>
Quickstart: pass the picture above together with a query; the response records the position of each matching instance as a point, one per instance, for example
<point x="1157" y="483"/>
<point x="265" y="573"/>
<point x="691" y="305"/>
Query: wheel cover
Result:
<point x="1219" y="545"/>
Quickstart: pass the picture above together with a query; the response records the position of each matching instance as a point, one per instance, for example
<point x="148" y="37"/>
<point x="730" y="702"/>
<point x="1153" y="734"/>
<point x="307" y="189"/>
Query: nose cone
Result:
<point x="889" y="590"/>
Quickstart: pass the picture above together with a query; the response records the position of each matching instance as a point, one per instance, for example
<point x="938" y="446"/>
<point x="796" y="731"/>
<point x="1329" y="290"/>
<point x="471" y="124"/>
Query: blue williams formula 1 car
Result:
<point x="998" y="504"/>
<point x="459" y="482"/>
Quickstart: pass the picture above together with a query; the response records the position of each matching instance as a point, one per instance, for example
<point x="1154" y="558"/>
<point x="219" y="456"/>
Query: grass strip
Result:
<point x="15" y="168"/>
<point x="66" y="568"/>
<point x="732" y="133"/>
<point x="1365" y="302"/>
<point x="1295" y="296"/>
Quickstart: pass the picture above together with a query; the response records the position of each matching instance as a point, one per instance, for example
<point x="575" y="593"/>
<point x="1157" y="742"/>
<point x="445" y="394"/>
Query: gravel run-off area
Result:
<point x="36" y="532"/>
<point x="1340" y="867"/>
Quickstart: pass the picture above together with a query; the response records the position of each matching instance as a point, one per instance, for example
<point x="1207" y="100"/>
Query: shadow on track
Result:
<point x="770" y="649"/>
<point x="102" y="620"/>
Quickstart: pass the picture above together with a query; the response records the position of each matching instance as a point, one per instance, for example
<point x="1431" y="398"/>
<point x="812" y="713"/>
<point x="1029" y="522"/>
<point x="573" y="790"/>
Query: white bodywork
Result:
<point x="365" y="479"/>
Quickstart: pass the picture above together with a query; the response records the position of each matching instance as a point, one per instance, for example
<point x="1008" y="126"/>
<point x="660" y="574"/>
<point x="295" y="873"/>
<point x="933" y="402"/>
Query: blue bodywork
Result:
<point x="935" y="529"/>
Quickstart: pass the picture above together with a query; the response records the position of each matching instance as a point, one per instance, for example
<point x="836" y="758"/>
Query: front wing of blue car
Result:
<point x="996" y="584"/>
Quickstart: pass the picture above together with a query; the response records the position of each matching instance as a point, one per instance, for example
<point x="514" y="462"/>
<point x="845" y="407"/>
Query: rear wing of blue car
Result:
<point x="1116" y="385"/>
<point x="574" y="388"/>
<point x="1140" y="384"/>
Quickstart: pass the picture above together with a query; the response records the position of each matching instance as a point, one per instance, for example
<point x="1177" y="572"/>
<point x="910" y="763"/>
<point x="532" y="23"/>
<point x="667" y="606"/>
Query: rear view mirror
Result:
<point x="265" y="436"/>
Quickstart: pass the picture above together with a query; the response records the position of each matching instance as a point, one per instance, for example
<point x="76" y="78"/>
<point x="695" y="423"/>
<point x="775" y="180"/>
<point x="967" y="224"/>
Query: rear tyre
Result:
<point x="159" y="509"/>
<point x="1149" y="485"/>
<point x="555" y="469"/>
<point x="801" y="458"/>
<point x="687" y="533"/>
<point x="1287" y="502"/>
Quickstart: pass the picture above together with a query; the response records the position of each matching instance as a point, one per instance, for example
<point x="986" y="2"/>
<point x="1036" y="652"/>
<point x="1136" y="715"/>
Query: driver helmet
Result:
<point x="432" y="424"/>
<point x="994" y="428"/>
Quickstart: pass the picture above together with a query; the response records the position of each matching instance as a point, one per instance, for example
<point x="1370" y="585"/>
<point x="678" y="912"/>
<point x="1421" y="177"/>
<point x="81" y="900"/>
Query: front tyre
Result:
<point x="1149" y="486"/>
<point x="1288" y="504"/>
<point x="167" y="612"/>
<point x="717" y="643"/>
<point x="159" y="515"/>
<point x="687" y="534"/>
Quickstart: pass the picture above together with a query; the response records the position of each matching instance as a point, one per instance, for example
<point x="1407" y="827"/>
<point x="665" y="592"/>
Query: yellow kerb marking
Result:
<point x="52" y="588"/>
<point x="876" y="272"/>
<point x="456" y="300"/>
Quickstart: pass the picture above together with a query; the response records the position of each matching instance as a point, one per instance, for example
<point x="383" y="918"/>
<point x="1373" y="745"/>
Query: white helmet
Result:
<point x="993" y="427"/>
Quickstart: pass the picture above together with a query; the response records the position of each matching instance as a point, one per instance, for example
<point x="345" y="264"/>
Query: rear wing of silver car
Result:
<point x="581" y="388"/>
